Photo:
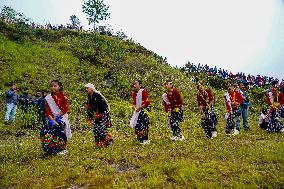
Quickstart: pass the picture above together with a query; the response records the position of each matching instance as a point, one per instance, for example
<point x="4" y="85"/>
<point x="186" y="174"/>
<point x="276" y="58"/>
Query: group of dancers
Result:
<point x="55" y="134"/>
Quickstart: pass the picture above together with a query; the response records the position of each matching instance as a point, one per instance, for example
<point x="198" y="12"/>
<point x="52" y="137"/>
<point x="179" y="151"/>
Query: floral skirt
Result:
<point x="142" y="126"/>
<point x="53" y="138"/>
<point x="176" y="116"/>
<point x="275" y="125"/>
<point x="208" y="122"/>
<point x="101" y="123"/>
<point x="232" y="119"/>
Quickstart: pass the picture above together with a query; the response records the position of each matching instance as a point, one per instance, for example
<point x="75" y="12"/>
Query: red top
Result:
<point x="236" y="100"/>
<point x="204" y="98"/>
<point x="279" y="98"/>
<point x="228" y="105"/>
<point x="61" y="101"/>
<point x="175" y="100"/>
<point x="145" y="98"/>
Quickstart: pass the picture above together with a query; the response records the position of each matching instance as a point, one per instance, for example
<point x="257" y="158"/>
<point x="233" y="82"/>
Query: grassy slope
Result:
<point x="253" y="159"/>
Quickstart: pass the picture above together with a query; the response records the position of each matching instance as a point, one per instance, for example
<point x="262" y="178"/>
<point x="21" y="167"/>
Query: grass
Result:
<point x="253" y="159"/>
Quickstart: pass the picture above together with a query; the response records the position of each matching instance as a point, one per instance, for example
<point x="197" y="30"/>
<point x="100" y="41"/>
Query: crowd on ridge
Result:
<point x="249" y="80"/>
<point x="56" y="129"/>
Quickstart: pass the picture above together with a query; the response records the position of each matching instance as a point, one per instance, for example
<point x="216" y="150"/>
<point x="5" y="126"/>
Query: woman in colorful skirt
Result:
<point x="55" y="135"/>
<point x="173" y="104"/>
<point x="233" y="100"/>
<point x="209" y="120"/>
<point x="275" y="100"/>
<point x="98" y="114"/>
<point x="140" y="118"/>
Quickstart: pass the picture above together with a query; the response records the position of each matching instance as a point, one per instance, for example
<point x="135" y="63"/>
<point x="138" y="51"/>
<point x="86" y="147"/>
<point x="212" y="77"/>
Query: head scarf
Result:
<point x="90" y="85"/>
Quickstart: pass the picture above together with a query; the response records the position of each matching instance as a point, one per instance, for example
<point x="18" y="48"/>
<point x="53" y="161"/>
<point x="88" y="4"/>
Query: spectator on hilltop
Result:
<point x="249" y="81"/>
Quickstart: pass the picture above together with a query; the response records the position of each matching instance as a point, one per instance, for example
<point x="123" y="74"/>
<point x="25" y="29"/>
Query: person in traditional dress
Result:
<point x="282" y="103"/>
<point x="173" y="104"/>
<point x="264" y="119"/>
<point x="99" y="115"/>
<point x="140" y="118"/>
<point x="55" y="135"/>
<point x="205" y="99"/>
<point x="275" y="100"/>
<point x="233" y="100"/>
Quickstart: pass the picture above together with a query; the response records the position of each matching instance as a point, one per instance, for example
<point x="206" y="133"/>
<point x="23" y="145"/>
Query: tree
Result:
<point x="75" y="22"/>
<point x="96" y="11"/>
<point x="8" y="14"/>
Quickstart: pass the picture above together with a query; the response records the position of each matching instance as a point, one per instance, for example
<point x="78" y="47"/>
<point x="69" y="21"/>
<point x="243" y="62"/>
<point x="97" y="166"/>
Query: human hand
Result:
<point x="138" y="109"/>
<point x="58" y="119"/>
<point x="51" y="122"/>
<point x="176" y="109"/>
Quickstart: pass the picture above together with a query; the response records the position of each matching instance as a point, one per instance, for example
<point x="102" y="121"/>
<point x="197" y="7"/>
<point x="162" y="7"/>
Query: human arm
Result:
<point x="49" y="114"/>
<point x="145" y="101"/>
<point x="10" y="93"/>
<point x="228" y="104"/>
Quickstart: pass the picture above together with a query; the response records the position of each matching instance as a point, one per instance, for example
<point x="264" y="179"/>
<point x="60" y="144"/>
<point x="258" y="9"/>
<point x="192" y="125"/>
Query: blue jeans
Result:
<point x="11" y="112"/>
<point x="244" y="115"/>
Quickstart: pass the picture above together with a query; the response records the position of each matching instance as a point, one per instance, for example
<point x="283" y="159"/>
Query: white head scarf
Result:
<point x="90" y="85"/>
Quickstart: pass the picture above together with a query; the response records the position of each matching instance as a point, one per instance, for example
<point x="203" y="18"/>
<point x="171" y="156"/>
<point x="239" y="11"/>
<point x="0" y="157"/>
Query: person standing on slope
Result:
<point x="244" y="107"/>
<point x="233" y="100"/>
<point x="205" y="100"/>
<point x="140" y="117"/>
<point x="55" y="135"/>
<point x="12" y="100"/>
<point x="98" y="113"/>
<point x="275" y="100"/>
<point x="173" y="104"/>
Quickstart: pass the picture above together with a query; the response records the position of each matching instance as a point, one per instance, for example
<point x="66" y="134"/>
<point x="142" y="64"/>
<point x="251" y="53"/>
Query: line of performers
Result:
<point x="55" y="134"/>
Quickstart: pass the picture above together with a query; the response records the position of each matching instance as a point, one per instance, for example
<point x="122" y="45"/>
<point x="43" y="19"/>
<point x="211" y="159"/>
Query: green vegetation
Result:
<point x="32" y="58"/>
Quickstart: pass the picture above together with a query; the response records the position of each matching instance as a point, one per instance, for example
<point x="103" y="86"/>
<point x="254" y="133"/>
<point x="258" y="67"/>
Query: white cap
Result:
<point x="90" y="85"/>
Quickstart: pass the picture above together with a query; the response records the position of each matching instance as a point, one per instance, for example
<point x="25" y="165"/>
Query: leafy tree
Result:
<point x="75" y="22"/>
<point x="8" y="14"/>
<point x="96" y="11"/>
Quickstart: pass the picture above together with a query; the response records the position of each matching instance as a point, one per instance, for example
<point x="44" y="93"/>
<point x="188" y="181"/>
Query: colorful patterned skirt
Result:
<point x="282" y="111"/>
<point x="208" y="122"/>
<point x="231" y="120"/>
<point x="176" y="116"/>
<point x="275" y="125"/>
<point x="142" y="126"/>
<point x="53" y="138"/>
<point x="102" y="136"/>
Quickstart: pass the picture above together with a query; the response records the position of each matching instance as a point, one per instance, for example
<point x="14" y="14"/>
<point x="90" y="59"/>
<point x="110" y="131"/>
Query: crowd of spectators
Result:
<point x="248" y="80"/>
<point x="54" y="27"/>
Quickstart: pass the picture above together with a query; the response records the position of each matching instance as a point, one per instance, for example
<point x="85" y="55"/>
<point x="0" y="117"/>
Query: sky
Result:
<point x="238" y="35"/>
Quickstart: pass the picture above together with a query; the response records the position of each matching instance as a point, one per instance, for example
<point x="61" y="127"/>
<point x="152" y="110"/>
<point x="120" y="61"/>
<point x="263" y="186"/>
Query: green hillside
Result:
<point x="32" y="58"/>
